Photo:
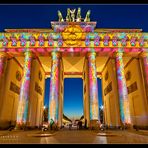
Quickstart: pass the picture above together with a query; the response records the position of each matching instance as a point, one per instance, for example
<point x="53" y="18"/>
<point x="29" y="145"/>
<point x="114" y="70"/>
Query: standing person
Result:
<point x="51" y="124"/>
<point x="80" y="125"/>
<point x="77" y="125"/>
<point x="85" y="126"/>
<point x="70" y="126"/>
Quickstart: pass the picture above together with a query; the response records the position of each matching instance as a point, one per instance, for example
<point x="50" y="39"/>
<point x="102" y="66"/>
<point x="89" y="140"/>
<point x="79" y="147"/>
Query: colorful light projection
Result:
<point x="123" y="95"/>
<point x="54" y="88"/>
<point x="74" y="36"/>
<point x="22" y="112"/>
<point x="93" y="87"/>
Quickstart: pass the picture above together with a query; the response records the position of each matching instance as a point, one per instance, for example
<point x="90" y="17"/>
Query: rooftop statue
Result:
<point x="68" y="17"/>
<point x="87" y="17"/>
<point x="73" y="14"/>
<point x="60" y="16"/>
<point x="78" y="15"/>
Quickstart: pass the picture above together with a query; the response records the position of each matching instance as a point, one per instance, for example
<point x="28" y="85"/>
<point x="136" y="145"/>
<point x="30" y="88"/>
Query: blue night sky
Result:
<point x="40" y="16"/>
<point x="73" y="96"/>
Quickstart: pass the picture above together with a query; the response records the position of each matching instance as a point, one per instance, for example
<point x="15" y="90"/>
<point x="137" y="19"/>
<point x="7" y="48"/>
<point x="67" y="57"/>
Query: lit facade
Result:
<point x="74" y="49"/>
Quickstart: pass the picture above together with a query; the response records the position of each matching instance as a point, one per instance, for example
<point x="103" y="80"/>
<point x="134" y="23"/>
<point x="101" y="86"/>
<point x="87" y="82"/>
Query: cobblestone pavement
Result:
<point x="74" y="137"/>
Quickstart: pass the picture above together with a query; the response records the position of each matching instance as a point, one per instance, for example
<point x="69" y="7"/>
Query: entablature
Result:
<point x="76" y="39"/>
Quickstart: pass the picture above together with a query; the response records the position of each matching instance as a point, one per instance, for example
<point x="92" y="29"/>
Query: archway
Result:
<point x="73" y="100"/>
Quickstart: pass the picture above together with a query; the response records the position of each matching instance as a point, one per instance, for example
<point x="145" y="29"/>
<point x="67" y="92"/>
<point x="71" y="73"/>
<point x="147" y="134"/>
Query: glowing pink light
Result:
<point x="62" y="49"/>
<point x="126" y="50"/>
<point x="97" y="49"/>
<point x="135" y="49"/>
<point x="70" y="49"/>
<point x="54" y="88"/>
<point x="123" y="95"/>
<point x="87" y="49"/>
<point x="41" y="50"/>
<point x="22" y="111"/>
<point x="94" y="110"/>
<point x="32" y="49"/>
<point x="11" y="50"/>
<point x="49" y="49"/>
<point x="106" y="49"/>
<point x="77" y="49"/>
<point x="20" y="49"/>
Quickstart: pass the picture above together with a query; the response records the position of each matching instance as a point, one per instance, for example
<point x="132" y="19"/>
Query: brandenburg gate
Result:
<point x="118" y="56"/>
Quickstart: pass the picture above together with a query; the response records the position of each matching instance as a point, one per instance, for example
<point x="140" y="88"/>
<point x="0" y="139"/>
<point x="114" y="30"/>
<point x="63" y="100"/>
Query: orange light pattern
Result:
<point x="72" y="37"/>
<point x="54" y="88"/>
<point x="22" y="112"/>
<point x="93" y="86"/>
<point x="123" y="95"/>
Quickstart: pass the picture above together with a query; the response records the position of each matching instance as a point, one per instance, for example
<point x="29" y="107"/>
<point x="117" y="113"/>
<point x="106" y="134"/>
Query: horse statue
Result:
<point x="87" y="17"/>
<point x="78" y="15"/>
<point x="60" y="16"/>
<point x="73" y="14"/>
<point x="68" y="17"/>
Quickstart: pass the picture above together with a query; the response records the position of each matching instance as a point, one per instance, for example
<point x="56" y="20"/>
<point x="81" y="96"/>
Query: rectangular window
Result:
<point x="108" y="89"/>
<point x="14" y="88"/>
<point x="133" y="87"/>
<point x="38" y="89"/>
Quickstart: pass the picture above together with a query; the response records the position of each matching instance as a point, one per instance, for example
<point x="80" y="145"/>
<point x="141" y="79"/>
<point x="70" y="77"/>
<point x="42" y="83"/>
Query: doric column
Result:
<point x="93" y="87"/>
<point x="54" y="87"/>
<point x="2" y="63"/>
<point x="122" y="89"/>
<point x="145" y="66"/>
<point x="22" y="112"/>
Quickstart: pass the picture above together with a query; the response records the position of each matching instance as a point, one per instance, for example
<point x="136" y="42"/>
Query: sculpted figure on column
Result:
<point x="79" y="15"/>
<point x="68" y="17"/>
<point x="73" y="14"/>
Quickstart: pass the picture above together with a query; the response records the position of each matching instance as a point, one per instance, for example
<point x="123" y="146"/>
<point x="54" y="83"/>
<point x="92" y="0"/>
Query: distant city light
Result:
<point x="101" y="107"/>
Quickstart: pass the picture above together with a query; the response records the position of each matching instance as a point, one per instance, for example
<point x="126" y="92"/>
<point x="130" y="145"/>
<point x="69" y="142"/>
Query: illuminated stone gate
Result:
<point x="118" y="56"/>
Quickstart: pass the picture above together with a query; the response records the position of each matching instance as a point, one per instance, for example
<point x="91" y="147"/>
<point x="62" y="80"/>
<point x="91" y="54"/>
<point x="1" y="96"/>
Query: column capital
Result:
<point x="145" y="49"/>
<point x="91" y="53"/>
<point x="119" y="52"/>
<point x="27" y="51"/>
<point x="144" y="54"/>
<point x="55" y="53"/>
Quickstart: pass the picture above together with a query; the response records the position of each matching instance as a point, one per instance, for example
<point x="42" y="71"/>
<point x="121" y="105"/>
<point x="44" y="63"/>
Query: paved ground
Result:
<point x="73" y="136"/>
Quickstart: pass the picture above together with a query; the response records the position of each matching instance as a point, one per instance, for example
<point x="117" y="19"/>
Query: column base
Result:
<point x="7" y="124"/>
<point x="22" y="126"/>
<point x="94" y="124"/>
<point x="54" y="127"/>
<point x="125" y="126"/>
<point x="138" y="127"/>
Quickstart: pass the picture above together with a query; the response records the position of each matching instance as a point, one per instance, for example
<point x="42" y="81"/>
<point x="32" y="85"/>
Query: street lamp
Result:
<point x="44" y="107"/>
<point x="101" y="107"/>
<point x="101" y="114"/>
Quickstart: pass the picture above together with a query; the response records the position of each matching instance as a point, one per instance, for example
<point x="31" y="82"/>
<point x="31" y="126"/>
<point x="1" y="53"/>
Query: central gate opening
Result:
<point x="73" y="102"/>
